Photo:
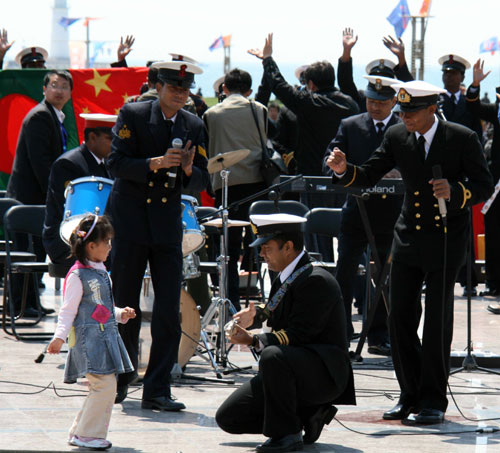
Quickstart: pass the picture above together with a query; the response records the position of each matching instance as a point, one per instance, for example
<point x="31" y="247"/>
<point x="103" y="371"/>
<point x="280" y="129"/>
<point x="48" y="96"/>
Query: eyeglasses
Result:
<point x="54" y="86"/>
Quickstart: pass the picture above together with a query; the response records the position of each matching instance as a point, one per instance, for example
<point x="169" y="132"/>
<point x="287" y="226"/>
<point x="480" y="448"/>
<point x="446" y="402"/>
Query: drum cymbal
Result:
<point x="225" y="160"/>
<point x="230" y="223"/>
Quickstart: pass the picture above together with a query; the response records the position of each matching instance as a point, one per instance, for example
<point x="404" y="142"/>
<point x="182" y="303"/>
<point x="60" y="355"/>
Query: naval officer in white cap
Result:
<point x="421" y="236"/>
<point x="304" y="367"/>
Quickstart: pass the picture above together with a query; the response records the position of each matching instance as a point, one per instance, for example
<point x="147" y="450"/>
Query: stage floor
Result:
<point x="36" y="417"/>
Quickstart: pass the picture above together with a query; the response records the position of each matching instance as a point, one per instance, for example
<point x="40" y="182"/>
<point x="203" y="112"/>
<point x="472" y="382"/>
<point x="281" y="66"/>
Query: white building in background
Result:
<point x="59" y="39"/>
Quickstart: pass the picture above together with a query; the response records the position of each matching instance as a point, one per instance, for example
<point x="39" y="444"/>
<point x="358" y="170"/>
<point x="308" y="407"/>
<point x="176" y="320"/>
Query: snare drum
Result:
<point x="84" y="196"/>
<point x="190" y="266"/>
<point x="193" y="237"/>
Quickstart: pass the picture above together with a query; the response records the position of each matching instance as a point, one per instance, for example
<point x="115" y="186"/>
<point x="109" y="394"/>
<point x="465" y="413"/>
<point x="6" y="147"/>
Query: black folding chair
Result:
<point x="324" y="222"/>
<point x="27" y="220"/>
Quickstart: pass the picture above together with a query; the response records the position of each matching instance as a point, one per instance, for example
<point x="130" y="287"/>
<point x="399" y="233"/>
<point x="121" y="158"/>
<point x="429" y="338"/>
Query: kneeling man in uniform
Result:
<point x="304" y="365"/>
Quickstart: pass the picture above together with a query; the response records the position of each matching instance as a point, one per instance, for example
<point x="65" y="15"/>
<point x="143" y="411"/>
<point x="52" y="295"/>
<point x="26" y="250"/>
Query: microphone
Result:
<point x="438" y="174"/>
<point x="172" y="171"/>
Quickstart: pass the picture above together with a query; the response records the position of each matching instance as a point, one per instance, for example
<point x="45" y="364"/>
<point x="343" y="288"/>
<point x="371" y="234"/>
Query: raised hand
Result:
<point x="5" y="45"/>
<point x="478" y="74"/>
<point x="348" y="38"/>
<point x="266" y="51"/>
<point x="396" y="47"/>
<point x="125" y="47"/>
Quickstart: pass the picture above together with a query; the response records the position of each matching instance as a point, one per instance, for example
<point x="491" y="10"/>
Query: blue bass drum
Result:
<point x="193" y="237"/>
<point x="84" y="196"/>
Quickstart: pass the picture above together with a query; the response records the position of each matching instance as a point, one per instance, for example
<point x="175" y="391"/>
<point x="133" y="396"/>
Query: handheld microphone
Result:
<point x="438" y="174"/>
<point x="172" y="171"/>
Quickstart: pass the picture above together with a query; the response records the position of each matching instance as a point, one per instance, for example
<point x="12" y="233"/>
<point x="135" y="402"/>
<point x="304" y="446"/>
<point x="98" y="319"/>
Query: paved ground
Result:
<point x="36" y="408"/>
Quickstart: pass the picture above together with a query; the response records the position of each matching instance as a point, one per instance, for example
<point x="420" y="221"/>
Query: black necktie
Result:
<point x="104" y="171"/>
<point x="380" y="129"/>
<point x="421" y="147"/>
<point x="453" y="100"/>
<point x="169" y="124"/>
<point x="275" y="286"/>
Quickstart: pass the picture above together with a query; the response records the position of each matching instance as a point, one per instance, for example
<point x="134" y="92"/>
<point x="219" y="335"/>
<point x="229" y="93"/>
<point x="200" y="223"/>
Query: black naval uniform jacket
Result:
<point x="358" y="139"/>
<point x="311" y="315"/>
<point x="38" y="146"/>
<point x="76" y="163"/>
<point x="418" y="232"/>
<point x="459" y="113"/>
<point x="318" y="116"/>
<point x="143" y="209"/>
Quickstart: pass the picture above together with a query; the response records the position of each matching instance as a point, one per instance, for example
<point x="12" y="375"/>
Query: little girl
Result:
<point x="88" y="319"/>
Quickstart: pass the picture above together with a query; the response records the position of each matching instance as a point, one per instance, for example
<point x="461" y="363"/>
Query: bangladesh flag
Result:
<point x="94" y="91"/>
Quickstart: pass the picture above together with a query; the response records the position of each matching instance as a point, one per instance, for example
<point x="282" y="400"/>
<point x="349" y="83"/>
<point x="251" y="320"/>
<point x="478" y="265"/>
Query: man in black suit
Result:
<point x="358" y="137"/>
<point x="453" y="106"/>
<point x="319" y="110"/>
<point x="42" y="140"/>
<point x="304" y="367"/>
<point x="427" y="242"/>
<point x="489" y="112"/>
<point x="86" y="160"/>
<point x="145" y="207"/>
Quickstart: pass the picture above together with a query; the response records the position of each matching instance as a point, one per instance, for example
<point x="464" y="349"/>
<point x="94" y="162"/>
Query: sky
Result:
<point x="303" y="32"/>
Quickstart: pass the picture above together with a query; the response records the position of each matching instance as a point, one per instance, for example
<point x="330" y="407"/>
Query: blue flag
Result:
<point x="67" y="21"/>
<point x="400" y="17"/>
<point x="490" y="45"/>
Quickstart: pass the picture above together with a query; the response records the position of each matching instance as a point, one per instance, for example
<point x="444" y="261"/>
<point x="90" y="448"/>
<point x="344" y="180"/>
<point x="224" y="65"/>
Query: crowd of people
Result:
<point x="395" y="127"/>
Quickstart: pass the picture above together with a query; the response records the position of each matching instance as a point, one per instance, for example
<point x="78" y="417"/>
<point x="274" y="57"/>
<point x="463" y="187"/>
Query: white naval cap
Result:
<point x="217" y="84"/>
<point x="299" y="71"/>
<point x="178" y="73"/>
<point x="380" y="87"/>
<point x="94" y="120"/>
<point x="31" y="54"/>
<point x="450" y="62"/>
<point x="416" y="95"/>
<point x="268" y="226"/>
<point x="381" y="67"/>
<point x="182" y="57"/>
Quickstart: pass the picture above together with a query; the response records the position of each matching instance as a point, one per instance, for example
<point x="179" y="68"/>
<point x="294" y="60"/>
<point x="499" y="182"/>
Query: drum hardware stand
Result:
<point x="381" y="283"/>
<point x="469" y="362"/>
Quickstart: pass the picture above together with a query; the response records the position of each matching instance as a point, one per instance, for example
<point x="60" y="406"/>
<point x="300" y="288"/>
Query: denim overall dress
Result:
<point x="98" y="347"/>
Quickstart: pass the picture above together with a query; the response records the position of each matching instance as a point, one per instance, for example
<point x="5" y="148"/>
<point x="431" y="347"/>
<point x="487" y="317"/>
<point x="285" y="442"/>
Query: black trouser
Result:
<point x="351" y="249"/>
<point x="492" y="245"/>
<point x="236" y="193"/>
<point x="291" y="381"/>
<point x="127" y="272"/>
<point x="422" y="367"/>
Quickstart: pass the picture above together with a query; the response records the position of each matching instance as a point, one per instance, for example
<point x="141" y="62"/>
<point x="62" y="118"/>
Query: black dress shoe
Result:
<point x="121" y="393"/>
<point x="473" y="292"/>
<point x="398" y="412"/>
<point x="291" y="442"/>
<point x="48" y="311"/>
<point x="162" y="403"/>
<point x="494" y="308"/>
<point x="427" y="417"/>
<point x="32" y="313"/>
<point x="380" y="349"/>
<point x="490" y="292"/>
<point x="314" y="424"/>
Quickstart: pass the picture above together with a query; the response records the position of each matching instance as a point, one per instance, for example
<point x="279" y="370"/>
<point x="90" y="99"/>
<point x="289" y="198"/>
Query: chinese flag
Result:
<point x="94" y="91"/>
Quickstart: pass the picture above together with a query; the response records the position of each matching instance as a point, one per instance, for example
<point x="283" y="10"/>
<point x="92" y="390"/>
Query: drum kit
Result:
<point x="200" y="335"/>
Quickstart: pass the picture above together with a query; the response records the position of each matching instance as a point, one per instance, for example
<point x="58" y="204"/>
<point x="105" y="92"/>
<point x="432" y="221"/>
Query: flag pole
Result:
<point x="87" y="42"/>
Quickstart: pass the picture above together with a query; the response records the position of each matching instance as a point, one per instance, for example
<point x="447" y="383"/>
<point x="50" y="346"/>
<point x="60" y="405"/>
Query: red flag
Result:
<point x="425" y="8"/>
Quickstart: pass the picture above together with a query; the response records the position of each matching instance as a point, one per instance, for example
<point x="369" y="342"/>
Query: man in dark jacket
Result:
<point x="145" y="207"/>
<point x="358" y="137"/>
<point x="86" y="160"/>
<point x="42" y="140"/>
<point x="304" y="367"/>
<point x="489" y="112"/>
<point x="319" y="110"/>
<point x="429" y="244"/>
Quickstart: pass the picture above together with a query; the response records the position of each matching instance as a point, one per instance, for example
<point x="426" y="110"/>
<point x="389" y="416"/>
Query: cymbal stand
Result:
<point x="220" y="305"/>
